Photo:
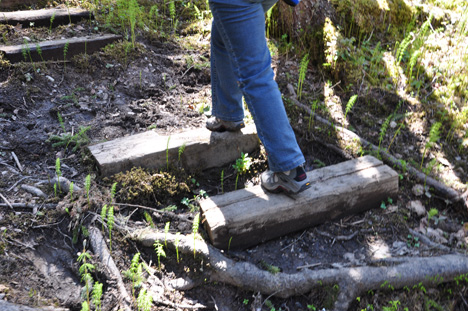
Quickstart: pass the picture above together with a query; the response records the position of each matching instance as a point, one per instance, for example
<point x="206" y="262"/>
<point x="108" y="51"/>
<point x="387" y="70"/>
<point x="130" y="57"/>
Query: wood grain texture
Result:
<point x="43" y="18"/>
<point x="203" y="149"/>
<point x="247" y="217"/>
<point x="54" y="49"/>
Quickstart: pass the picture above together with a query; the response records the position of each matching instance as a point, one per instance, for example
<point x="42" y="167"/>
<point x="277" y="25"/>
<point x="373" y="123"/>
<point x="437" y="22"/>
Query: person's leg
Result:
<point x="225" y="92"/>
<point x="240" y="29"/>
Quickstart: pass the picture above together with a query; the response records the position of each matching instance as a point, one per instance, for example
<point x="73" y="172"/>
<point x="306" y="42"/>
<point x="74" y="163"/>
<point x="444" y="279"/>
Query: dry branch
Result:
<point x="352" y="281"/>
<point x="99" y="247"/>
<point x="447" y="192"/>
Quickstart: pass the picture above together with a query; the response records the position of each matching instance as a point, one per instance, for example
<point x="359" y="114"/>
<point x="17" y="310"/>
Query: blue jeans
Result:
<point x="241" y="66"/>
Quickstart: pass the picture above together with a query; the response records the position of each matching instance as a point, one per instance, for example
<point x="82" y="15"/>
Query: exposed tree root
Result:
<point x="99" y="247"/>
<point x="440" y="188"/>
<point x="352" y="281"/>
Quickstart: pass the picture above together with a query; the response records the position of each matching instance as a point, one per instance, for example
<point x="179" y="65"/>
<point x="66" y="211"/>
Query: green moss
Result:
<point x="140" y="186"/>
<point x="374" y="16"/>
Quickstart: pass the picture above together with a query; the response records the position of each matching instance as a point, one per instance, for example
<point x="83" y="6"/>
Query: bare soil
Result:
<point x="157" y="86"/>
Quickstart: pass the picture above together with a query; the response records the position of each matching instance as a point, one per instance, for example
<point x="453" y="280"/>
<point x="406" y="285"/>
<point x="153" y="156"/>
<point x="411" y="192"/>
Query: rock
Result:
<point x="182" y="284"/>
<point x="417" y="207"/>
<point x="436" y="234"/>
<point x="418" y="190"/>
<point x="34" y="191"/>
<point x="393" y="124"/>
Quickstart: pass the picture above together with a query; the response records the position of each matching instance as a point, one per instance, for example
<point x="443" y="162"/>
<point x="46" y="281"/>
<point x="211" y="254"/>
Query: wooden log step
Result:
<point x="247" y="217"/>
<point x="54" y="50"/>
<point x="203" y="149"/>
<point x="43" y="18"/>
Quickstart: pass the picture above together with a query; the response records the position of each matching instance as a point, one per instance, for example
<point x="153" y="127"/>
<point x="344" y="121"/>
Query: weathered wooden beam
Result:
<point x="54" y="50"/>
<point x="203" y="149"/>
<point x="40" y="18"/>
<point x="251" y="216"/>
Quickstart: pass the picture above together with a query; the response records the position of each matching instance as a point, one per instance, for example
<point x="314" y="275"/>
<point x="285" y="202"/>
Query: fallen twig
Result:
<point x="16" y="183"/>
<point x="339" y="237"/>
<point x="352" y="281"/>
<point x="6" y="201"/>
<point x="20" y="167"/>
<point x="30" y="205"/>
<point x="99" y="247"/>
<point x="429" y="243"/>
<point x="167" y="213"/>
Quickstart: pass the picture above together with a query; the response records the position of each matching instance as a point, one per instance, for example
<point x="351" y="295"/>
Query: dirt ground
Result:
<point x="165" y="87"/>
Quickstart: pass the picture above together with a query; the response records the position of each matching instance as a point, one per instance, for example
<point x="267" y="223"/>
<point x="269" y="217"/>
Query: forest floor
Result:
<point x="163" y="84"/>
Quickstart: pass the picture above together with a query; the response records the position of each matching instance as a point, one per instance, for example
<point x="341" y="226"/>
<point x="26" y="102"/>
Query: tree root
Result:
<point x="351" y="281"/>
<point x="99" y="247"/>
<point x="447" y="192"/>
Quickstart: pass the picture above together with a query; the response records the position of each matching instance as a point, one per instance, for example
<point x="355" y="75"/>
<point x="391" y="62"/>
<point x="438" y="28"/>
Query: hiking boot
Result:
<point x="218" y="125"/>
<point x="291" y="182"/>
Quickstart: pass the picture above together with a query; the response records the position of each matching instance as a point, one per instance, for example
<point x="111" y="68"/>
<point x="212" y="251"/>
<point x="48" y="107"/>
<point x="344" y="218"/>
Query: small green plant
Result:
<point x="167" y="153"/>
<point x="110" y="224"/>
<point x="350" y="104"/>
<point x="383" y="130"/>
<point x="302" y="74"/>
<point x="434" y="135"/>
<point x="176" y="244"/>
<point x="313" y="107"/>
<point x="85" y="271"/>
<point x="269" y="267"/>
<point x="412" y="241"/>
<point x="242" y="166"/>
<point x="97" y="295"/>
<point x="383" y="205"/>
<point x="87" y="186"/>
<point x="113" y="191"/>
<point x="52" y="18"/>
<point x="58" y="173"/>
<point x="172" y="12"/>
<point x="222" y="181"/>
<point x="393" y="306"/>
<point x="71" y="187"/>
<point x="65" y="139"/>
<point x="166" y="231"/>
<point x="196" y="222"/>
<point x="103" y="215"/>
<point x="55" y="190"/>
<point x="159" y="249"/>
<point x="65" y="52"/>
<point x="181" y="151"/>
<point x="84" y="306"/>
<point x="432" y="213"/>
<point x="149" y="219"/>
<point x="39" y="51"/>
<point x="135" y="273"/>
<point x="144" y="301"/>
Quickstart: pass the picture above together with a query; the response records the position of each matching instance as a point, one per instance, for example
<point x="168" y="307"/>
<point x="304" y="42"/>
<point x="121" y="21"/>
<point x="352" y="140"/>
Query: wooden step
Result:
<point x="42" y="18"/>
<point x="203" y="150"/>
<point x="54" y="50"/>
<point x="247" y="217"/>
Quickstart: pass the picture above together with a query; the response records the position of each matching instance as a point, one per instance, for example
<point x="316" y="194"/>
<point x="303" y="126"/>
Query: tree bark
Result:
<point x="352" y="281"/>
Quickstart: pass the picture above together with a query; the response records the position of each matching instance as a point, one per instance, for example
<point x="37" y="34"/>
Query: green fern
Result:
<point x="434" y="136"/>
<point x="144" y="301"/>
<point x="97" y="295"/>
<point x="87" y="186"/>
<point x="159" y="249"/>
<point x="383" y="130"/>
<point x="302" y="74"/>
<point x="103" y="215"/>
<point x="110" y="224"/>
<point x="196" y="223"/>
<point x="166" y="231"/>
<point x="350" y="104"/>
<point x="176" y="244"/>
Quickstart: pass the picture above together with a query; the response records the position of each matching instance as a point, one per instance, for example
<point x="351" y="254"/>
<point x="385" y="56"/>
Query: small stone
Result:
<point x="417" y="207"/>
<point x="50" y="78"/>
<point x="393" y="124"/>
<point x="418" y="190"/>
<point x="182" y="284"/>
